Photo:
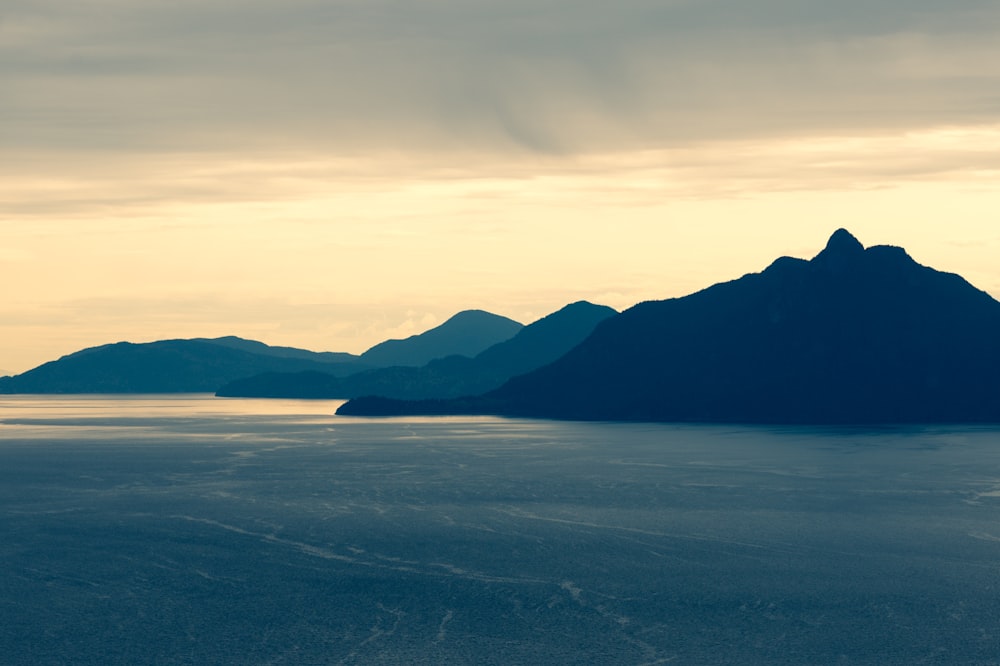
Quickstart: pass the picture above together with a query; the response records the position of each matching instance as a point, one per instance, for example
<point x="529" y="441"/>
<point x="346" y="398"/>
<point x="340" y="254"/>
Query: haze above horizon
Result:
<point x="331" y="174"/>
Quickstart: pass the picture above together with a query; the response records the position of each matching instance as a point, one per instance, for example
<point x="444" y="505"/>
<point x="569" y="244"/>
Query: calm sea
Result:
<point x="196" y="530"/>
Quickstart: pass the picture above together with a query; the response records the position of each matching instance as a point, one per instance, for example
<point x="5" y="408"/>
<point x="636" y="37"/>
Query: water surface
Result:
<point x="194" y="530"/>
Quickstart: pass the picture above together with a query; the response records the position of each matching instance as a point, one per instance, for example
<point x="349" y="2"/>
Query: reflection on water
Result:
<point x="189" y="529"/>
<point x="119" y="416"/>
<point x="183" y="405"/>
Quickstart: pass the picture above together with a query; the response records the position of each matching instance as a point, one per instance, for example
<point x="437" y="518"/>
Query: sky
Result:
<point x="328" y="174"/>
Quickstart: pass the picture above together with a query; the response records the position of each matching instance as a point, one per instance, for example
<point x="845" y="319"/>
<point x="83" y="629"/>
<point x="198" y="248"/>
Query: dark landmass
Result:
<point x="853" y="336"/>
<point x="533" y="346"/>
<point x="465" y="334"/>
<point x="170" y="366"/>
<point x="376" y="405"/>
<point x="312" y="384"/>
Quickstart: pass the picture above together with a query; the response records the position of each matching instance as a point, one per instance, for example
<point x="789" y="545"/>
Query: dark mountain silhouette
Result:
<point x="466" y="334"/>
<point x="853" y="336"/>
<point x="169" y="366"/>
<point x="533" y="346"/>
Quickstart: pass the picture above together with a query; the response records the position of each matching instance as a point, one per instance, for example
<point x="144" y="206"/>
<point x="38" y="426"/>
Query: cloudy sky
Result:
<point x="331" y="173"/>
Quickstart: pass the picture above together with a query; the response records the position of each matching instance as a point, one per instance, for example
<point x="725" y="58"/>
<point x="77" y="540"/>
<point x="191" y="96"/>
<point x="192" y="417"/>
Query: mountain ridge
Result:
<point x="163" y="366"/>
<point x="853" y="335"/>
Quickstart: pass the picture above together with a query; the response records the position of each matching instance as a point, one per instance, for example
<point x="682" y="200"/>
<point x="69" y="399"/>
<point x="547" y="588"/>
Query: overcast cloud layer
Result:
<point x="555" y="76"/>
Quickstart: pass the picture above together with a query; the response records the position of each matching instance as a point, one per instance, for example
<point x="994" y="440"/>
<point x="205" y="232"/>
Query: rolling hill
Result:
<point x="168" y="366"/>
<point x="202" y="365"/>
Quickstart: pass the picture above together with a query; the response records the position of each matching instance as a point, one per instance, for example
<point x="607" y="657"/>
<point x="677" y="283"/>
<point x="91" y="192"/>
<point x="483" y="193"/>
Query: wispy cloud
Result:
<point x="297" y="186"/>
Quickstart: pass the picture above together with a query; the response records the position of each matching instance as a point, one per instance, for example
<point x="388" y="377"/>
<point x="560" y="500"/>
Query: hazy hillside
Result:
<point x="467" y="333"/>
<point x="534" y="345"/>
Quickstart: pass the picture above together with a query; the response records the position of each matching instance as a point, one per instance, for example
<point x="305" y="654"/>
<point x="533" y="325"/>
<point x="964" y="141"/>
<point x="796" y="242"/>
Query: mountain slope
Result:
<point x="466" y="334"/>
<point x="853" y="336"/>
<point x="255" y="347"/>
<point x="167" y="366"/>
<point x="533" y="346"/>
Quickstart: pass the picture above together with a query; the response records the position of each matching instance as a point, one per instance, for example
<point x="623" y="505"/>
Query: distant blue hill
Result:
<point x="853" y="336"/>
<point x="169" y="366"/>
<point x="203" y="365"/>
<point x="465" y="334"/>
<point x="254" y="347"/>
<point x="533" y="346"/>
